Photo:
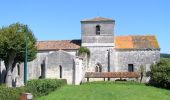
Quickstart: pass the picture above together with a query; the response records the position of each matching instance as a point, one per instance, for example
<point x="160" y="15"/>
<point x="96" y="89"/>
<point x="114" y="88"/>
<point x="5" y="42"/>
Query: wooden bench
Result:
<point x="111" y="75"/>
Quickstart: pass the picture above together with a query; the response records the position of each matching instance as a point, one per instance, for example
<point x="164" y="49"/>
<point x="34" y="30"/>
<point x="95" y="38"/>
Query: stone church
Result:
<point x="108" y="53"/>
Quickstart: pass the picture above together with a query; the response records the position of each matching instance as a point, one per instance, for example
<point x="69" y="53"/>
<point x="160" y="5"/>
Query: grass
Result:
<point x="108" y="91"/>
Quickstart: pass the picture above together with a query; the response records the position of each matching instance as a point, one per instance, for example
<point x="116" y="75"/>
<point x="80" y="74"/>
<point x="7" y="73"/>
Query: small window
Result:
<point x="130" y="68"/>
<point x="42" y="70"/>
<point x="100" y="69"/>
<point x="60" y="71"/>
<point x="98" y="30"/>
<point x="96" y="69"/>
<point x="18" y="69"/>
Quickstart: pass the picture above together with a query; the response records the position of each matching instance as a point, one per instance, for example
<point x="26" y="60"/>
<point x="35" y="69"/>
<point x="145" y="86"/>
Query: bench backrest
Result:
<point x="112" y="75"/>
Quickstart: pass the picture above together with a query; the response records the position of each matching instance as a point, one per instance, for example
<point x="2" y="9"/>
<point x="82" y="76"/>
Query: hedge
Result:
<point x="38" y="87"/>
<point x="44" y="86"/>
<point x="160" y="74"/>
<point x="7" y="93"/>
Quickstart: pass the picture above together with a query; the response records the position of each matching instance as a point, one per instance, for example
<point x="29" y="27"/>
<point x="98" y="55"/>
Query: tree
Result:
<point x="160" y="74"/>
<point x="12" y="47"/>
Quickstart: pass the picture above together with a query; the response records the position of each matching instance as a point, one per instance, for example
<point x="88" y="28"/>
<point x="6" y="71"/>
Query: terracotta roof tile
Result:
<point x="136" y="42"/>
<point x="121" y="42"/>
<point x="57" y="45"/>
<point x="124" y="42"/>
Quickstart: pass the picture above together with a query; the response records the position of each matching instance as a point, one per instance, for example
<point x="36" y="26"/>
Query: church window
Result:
<point x="98" y="30"/>
<point x="42" y="70"/>
<point x="130" y="68"/>
<point x="100" y="69"/>
<point x="60" y="71"/>
<point x="18" y="69"/>
<point x="96" y="69"/>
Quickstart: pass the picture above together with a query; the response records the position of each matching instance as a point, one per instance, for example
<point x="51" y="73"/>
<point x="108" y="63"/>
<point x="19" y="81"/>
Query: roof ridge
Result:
<point x="56" y="40"/>
<point x="136" y="35"/>
<point x="98" y="18"/>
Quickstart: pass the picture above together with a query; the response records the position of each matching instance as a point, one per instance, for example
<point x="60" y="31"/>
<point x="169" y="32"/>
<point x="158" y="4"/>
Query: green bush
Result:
<point x="84" y="50"/>
<point x="42" y="87"/>
<point x="38" y="87"/>
<point x="160" y="74"/>
<point x="7" y="93"/>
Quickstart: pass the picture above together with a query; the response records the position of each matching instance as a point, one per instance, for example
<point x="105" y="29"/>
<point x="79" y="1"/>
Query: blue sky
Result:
<point x="60" y="19"/>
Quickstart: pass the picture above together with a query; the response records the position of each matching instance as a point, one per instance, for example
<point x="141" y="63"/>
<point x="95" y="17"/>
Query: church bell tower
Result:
<point x="97" y="32"/>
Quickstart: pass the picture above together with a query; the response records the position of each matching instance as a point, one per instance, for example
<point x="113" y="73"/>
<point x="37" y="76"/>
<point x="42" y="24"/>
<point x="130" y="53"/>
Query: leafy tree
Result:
<point x="165" y="55"/>
<point x="160" y="74"/>
<point x="13" y="45"/>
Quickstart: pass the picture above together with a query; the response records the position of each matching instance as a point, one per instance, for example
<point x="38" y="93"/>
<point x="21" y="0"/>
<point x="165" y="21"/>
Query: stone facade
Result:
<point x="58" y="65"/>
<point x="108" y="53"/>
<point x="137" y="58"/>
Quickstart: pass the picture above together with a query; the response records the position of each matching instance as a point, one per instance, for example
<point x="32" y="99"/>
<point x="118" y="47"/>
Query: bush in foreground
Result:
<point x="160" y="74"/>
<point x="44" y="86"/>
<point x="38" y="87"/>
<point x="7" y="93"/>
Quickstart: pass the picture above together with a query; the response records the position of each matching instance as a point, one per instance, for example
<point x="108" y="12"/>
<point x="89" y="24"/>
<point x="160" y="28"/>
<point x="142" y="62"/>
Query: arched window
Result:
<point x="60" y="71"/>
<point x="42" y="71"/>
<point x="100" y="69"/>
<point x="18" y="69"/>
<point x="96" y="69"/>
<point x="98" y="30"/>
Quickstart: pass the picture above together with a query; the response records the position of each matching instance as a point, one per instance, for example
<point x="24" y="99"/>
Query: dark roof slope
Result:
<point x="60" y="44"/>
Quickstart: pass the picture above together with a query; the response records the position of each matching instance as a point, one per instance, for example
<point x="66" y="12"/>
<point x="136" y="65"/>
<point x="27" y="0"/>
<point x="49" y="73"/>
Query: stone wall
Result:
<point x="98" y="55"/>
<point x="89" y="28"/>
<point x="54" y="61"/>
<point x="89" y="37"/>
<point x="137" y="58"/>
<point x="2" y="71"/>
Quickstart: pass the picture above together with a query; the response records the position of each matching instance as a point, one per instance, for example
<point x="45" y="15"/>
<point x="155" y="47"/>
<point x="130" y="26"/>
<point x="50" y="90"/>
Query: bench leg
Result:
<point x="87" y="79"/>
<point x="108" y="79"/>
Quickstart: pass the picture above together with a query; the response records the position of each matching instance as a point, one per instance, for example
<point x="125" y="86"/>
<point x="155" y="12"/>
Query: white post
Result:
<point x="78" y="71"/>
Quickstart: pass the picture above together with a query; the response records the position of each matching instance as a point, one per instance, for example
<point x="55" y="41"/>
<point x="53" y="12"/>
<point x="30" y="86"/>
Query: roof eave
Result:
<point x="138" y="49"/>
<point x="84" y="21"/>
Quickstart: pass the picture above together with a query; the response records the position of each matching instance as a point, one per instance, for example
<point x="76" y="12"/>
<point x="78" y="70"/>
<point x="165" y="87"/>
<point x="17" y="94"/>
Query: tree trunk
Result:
<point x="9" y="69"/>
<point x="8" y="80"/>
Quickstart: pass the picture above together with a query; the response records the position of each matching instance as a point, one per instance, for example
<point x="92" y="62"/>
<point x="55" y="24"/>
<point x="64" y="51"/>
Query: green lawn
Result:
<point x="108" y="91"/>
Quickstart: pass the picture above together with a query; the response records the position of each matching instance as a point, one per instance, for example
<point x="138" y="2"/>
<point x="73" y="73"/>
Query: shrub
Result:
<point x="84" y="50"/>
<point x="160" y="74"/>
<point x="40" y="87"/>
<point x="8" y="93"/>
